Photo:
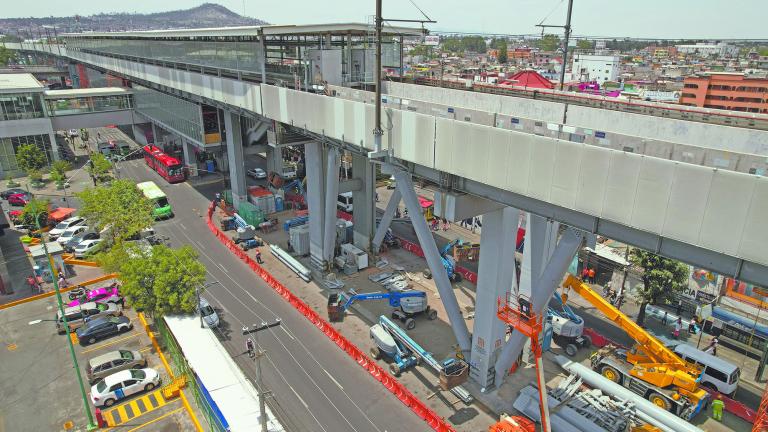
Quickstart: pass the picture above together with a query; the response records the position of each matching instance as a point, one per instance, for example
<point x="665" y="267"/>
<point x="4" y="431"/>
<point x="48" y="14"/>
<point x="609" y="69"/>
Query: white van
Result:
<point x="717" y="373"/>
<point x="344" y="202"/>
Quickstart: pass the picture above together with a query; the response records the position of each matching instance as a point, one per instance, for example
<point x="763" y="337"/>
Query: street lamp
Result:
<point x="260" y="382"/>
<point x="91" y="425"/>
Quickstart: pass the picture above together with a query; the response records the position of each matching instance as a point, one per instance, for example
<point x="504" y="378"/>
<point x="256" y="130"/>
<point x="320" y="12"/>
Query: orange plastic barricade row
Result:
<point x="377" y="372"/>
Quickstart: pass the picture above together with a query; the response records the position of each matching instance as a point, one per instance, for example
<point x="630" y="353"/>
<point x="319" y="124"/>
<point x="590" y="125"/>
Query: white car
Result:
<point x="65" y="225"/>
<point x="86" y="246"/>
<point x="73" y="133"/>
<point x="257" y="173"/>
<point x="70" y="233"/>
<point x="122" y="384"/>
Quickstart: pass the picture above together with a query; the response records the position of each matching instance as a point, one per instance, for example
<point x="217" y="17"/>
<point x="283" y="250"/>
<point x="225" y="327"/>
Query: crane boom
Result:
<point x="653" y="361"/>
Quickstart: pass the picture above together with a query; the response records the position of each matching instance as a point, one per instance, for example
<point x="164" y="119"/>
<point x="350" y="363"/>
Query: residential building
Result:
<point x="721" y="49"/>
<point x="727" y="90"/>
<point x="599" y="68"/>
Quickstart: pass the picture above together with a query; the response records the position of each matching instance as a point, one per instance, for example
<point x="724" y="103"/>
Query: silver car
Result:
<point x="114" y="361"/>
<point x="76" y="315"/>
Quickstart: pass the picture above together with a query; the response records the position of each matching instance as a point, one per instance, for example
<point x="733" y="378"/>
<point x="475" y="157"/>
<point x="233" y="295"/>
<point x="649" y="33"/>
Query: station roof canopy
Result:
<point x="268" y="30"/>
<point x="10" y="83"/>
<point x="85" y="92"/>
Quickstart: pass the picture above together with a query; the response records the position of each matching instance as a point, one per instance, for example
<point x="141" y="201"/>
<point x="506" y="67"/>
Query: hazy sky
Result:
<point x="643" y="18"/>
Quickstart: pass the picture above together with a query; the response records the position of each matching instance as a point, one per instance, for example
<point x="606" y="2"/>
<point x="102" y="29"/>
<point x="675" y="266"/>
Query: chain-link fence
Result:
<point x="180" y="366"/>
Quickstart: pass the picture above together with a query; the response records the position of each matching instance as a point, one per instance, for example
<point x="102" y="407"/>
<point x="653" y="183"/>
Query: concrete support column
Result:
<point x="154" y="134"/>
<point x="313" y="152"/>
<point x="235" y="156"/>
<point x="363" y="202"/>
<point x="543" y="289"/>
<point x="275" y="159"/>
<point x="386" y="220"/>
<point x="189" y="158"/>
<point x="496" y="278"/>
<point x="333" y="163"/>
<point x="427" y="242"/>
<point x="263" y="59"/>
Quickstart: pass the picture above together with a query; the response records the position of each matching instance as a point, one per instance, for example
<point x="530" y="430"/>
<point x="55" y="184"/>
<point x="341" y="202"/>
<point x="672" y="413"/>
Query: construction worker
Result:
<point x="717" y="408"/>
<point x="258" y="257"/>
<point x="592" y="275"/>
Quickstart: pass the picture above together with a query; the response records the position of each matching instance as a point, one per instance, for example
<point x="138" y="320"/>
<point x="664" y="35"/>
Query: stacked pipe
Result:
<point x="292" y="264"/>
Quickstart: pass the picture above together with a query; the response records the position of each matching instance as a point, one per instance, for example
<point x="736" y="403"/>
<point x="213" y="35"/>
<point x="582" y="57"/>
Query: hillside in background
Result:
<point x="205" y="15"/>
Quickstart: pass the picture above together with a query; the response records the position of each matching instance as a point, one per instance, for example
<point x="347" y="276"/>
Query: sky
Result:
<point x="693" y="19"/>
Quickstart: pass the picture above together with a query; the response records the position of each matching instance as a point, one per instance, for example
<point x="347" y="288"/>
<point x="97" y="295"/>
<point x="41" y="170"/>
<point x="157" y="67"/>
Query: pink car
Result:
<point x="20" y="199"/>
<point x="108" y="294"/>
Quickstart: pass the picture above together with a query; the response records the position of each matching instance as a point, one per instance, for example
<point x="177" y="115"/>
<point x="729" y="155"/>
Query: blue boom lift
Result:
<point x="448" y="263"/>
<point x="407" y="304"/>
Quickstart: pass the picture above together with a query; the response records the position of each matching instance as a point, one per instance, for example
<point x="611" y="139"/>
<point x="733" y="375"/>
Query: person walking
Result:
<point x="592" y="275"/>
<point x="63" y="281"/>
<point x="258" y="257"/>
<point x="712" y="347"/>
<point x="678" y="327"/>
<point x="717" y="408"/>
<point x="679" y="307"/>
<point x="664" y="319"/>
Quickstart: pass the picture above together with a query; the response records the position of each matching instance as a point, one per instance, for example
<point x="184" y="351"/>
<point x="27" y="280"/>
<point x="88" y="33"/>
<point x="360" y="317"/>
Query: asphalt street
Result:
<point x="314" y="385"/>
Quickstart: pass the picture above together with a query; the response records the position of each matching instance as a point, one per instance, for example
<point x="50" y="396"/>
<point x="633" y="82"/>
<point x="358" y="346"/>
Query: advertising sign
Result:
<point x="432" y="40"/>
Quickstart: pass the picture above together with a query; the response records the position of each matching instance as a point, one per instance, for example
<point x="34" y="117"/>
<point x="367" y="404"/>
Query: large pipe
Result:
<point x="647" y="411"/>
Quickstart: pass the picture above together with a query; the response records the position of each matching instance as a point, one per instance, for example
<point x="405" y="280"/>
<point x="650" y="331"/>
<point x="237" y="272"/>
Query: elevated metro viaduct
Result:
<point x="493" y="155"/>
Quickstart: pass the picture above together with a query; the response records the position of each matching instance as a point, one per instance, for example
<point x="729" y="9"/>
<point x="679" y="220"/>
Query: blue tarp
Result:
<point x="223" y="424"/>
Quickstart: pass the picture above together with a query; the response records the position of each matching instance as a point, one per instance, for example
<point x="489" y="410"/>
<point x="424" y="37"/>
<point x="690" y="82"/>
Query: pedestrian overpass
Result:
<point x="89" y="108"/>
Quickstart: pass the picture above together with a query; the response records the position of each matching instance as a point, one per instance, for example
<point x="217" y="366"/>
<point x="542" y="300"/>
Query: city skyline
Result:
<point x="656" y="19"/>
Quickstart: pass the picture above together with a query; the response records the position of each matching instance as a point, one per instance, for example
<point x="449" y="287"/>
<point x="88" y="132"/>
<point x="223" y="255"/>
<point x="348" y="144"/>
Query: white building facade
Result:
<point x="705" y="50"/>
<point x="592" y="67"/>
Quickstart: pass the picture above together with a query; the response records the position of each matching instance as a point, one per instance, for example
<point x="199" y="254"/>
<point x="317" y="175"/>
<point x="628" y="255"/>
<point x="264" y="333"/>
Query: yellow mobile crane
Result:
<point x="649" y="369"/>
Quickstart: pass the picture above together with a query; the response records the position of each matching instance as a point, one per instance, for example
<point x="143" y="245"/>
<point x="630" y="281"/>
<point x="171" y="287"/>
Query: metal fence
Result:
<point x="180" y="366"/>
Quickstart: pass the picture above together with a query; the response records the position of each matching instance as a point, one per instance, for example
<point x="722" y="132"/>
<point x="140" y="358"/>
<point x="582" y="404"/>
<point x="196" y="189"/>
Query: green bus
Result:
<point x="162" y="208"/>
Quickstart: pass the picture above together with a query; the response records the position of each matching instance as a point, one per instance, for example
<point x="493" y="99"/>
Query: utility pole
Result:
<point x="54" y="275"/>
<point x="259" y="378"/>
<point x="565" y="43"/>
<point x="567" y="31"/>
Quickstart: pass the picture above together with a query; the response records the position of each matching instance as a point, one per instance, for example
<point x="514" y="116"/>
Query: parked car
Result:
<point x="85" y="247"/>
<point x="100" y="328"/>
<point x="112" y="362"/>
<point x="123" y="384"/>
<point x="5" y="194"/>
<point x="20" y="199"/>
<point x="77" y="315"/>
<point x="108" y="294"/>
<point x="76" y="240"/>
<point x="70" y="233"/>
<point x="73" y="133"/>
<point x="210" y="317"/>
<point x="256" y="173"/>
<point x="65" y="225"/>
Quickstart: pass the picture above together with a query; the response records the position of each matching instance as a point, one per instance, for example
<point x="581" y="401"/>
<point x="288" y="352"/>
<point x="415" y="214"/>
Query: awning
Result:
<point x="425" y="203"/>
<point x="61" y="213"/>
<point x="608" y="253"/>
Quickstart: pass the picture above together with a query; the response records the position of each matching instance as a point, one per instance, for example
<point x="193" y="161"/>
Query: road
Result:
<point x="315" y="386"/>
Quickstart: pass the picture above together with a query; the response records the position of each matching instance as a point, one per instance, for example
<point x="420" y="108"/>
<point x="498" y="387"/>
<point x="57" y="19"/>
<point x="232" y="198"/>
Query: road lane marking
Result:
<point x="298" y="397"/>
<point x="182" y="226"/>
<point x="333" y="379"/>
<point x="287" y="332"/>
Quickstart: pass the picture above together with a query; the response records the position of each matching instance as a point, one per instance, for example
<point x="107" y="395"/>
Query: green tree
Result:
<point x="660" y="276"/>
<point x="98" y="166"/>
<point x="162" y="280"/>
<point x="119" y="206"/>
<point x="549" y="42"/>
<point x="30" y="157"/>
<point x="34" y="208"/>
<point x="7" y="56"/>
<point x="584" y="44"/>
<point x="502" y="47"/>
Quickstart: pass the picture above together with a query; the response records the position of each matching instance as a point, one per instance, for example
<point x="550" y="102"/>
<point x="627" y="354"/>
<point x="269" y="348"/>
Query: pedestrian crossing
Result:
<point x="134" y="408"/>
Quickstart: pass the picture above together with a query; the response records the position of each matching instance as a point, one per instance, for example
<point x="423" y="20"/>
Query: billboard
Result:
<point x="432" y="40"/>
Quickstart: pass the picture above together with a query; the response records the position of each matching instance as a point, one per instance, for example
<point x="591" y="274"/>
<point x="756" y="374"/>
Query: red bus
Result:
<point x="168" y="167"/>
